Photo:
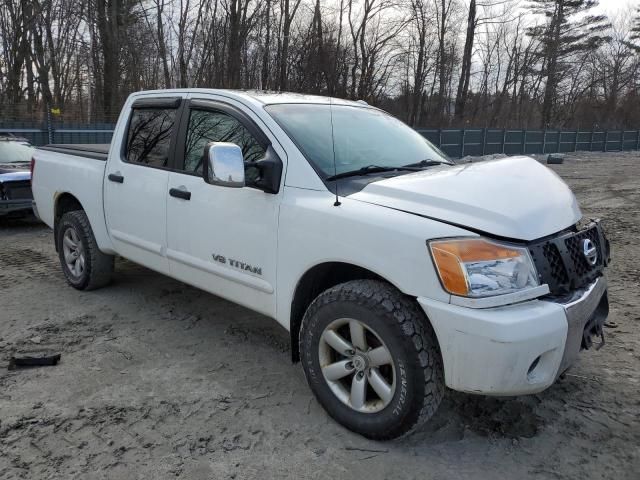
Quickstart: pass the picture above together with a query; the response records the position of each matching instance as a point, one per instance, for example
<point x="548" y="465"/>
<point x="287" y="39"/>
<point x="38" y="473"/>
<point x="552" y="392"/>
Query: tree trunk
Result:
<point x="109" y="18"/>
<point x="465" y="73"/>
<point x="552" y="66"/>
<point x="235" y="45"/>
<point x="284" y="53"/>
<point x="442" y="63"/>
<point x="288" y="14"/>
<point x="162" y="47"/>
<point x="264" y="84"/>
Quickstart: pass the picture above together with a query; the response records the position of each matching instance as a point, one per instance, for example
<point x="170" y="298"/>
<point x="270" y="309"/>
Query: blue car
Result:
<point x="15" y="177"/>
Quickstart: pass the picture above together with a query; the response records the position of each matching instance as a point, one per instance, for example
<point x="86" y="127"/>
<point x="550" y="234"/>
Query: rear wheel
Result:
<point x="371" y="359"/>
<point x="84" y="266"/>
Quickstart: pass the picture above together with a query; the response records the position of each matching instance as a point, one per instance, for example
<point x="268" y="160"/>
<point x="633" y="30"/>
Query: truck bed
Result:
<point x="96" y="151"/>
<point x="75" y="170"/>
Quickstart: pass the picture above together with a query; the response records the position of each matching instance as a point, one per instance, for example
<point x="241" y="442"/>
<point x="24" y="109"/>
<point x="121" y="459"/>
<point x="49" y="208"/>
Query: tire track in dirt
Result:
<point x="20" y="264"/>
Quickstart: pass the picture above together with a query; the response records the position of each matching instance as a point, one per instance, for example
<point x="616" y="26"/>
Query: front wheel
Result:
<point x="84" y="266"/>
<point x="371" y="359"/>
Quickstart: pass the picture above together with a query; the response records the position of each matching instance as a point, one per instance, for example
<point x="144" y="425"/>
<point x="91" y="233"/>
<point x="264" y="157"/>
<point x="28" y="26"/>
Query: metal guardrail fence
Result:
<point x="95" y="133"/>
<point x="454" y="142"/>
<point x="486" y="141"/>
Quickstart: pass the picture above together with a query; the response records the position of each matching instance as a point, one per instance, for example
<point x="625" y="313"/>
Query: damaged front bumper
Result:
<point x="516" y="349"/>
<point x="586" y="312"/>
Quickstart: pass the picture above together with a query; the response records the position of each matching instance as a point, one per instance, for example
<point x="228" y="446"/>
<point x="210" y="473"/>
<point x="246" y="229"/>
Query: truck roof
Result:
<point x="262" y="97"/>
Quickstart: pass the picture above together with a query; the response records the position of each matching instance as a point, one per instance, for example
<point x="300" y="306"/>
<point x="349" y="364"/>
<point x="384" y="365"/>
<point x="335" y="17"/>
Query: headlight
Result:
<point x="482" y="268"/>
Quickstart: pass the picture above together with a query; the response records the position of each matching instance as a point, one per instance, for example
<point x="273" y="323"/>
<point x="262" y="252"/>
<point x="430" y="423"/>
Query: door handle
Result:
<point x="116" y="177"/>
<point x="178" y="193"/>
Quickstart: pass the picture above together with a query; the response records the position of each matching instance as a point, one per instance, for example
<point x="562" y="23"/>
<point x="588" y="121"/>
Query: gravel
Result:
<point x="160" y="380"/>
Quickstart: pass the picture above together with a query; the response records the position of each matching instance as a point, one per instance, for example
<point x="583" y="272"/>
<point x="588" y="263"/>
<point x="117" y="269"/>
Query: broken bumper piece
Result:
<point x="516" y="349"/>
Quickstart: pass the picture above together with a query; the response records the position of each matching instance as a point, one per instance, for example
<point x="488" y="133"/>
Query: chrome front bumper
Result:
<point x="586" y="312"/>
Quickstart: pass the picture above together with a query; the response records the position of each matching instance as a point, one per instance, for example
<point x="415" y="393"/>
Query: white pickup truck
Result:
<point x="396" y="271"/>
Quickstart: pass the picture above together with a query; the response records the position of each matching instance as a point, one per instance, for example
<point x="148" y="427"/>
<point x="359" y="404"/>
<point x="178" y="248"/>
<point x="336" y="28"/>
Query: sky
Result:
<point x="614" y="6"/>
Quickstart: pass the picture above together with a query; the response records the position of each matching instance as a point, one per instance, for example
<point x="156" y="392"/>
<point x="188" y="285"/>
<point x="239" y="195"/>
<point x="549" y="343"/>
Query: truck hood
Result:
<point x="514" y="197"/>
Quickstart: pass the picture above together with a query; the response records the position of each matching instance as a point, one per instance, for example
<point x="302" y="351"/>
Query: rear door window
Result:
<point x="149" y="136"/>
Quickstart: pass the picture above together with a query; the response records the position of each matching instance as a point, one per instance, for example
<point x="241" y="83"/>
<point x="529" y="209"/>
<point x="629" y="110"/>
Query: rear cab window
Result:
<point x="150" y="132"/>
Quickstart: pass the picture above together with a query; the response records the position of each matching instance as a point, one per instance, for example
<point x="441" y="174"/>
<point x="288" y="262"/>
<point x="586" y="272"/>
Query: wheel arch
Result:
<point x="316" y="280"/>
<point x="64" y="202"/>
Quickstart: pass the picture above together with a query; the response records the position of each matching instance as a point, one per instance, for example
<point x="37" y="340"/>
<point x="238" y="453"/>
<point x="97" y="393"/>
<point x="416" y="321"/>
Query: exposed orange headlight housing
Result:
<point x="477" y="267"/>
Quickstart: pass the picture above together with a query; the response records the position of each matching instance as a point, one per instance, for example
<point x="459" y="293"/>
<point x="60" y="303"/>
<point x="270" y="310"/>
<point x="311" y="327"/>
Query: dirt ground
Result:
<point x="160" y="380"/>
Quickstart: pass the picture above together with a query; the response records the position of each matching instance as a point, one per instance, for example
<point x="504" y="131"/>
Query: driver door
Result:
<point x="221" y="239"/>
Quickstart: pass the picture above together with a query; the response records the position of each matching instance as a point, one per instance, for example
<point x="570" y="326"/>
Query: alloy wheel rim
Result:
<point x="357" y="365"/>
<point x="73" y="252"/>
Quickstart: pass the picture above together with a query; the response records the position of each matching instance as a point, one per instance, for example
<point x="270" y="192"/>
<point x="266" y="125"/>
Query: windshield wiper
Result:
<point x="426" y="163"/>
<point x="371" y="169"/>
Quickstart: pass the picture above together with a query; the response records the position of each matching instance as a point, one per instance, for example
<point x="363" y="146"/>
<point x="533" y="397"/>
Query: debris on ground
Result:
<point x="33" y="359"/>
<point x="555" y="158"/>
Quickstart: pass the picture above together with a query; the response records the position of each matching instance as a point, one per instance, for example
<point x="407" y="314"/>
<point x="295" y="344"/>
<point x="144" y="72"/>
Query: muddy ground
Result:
<point x="159" y="380"/>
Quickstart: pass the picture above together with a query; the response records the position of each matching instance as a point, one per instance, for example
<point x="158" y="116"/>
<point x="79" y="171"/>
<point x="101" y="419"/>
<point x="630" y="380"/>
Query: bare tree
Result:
<point x="553" y="64"/>
<point x="421" y="49"/>
<point x="565" y="33"/>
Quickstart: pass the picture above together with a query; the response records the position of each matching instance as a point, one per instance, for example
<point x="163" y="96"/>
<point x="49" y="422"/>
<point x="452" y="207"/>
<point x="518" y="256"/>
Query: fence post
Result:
<point x="575" y="141"/>
<point x="622" y="141"/>
<point x="439" y="138"/>
<point x="637" y="139"/>
<point x="606" y="140"/>
<point x="48" y="123"/>
<point x="463" y="135"/>
<point x="558" y="142"/>
<point x="544" y="140"/>
<point x="591" y="141"/>
<point x="504" y="138"/>
<point x="484" y="139"/>
<point x="524" y="141"/>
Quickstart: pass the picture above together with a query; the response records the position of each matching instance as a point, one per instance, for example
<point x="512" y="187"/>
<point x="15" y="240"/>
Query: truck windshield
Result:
<point x="362" y="137"/>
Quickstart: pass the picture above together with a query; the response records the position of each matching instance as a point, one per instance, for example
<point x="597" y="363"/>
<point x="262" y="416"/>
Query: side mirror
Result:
<point x="223" y="165"/>
<point x="270" y="172"/>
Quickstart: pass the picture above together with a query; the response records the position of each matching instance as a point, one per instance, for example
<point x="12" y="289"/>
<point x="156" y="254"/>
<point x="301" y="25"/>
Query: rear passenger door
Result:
<point x="136" y="179"/>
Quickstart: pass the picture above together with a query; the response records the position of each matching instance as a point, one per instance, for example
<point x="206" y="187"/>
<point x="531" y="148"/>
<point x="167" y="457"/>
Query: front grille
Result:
<point x="556" y="267"/>
<point x="574" y="247"/>
<point x="561" y="263"/>
<point x="18" y="190"/>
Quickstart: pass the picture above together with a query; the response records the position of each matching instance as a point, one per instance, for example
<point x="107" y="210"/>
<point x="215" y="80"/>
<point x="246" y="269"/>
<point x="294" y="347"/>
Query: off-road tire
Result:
<point x="405" y="330"/>
<point x="98" y="267"/>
